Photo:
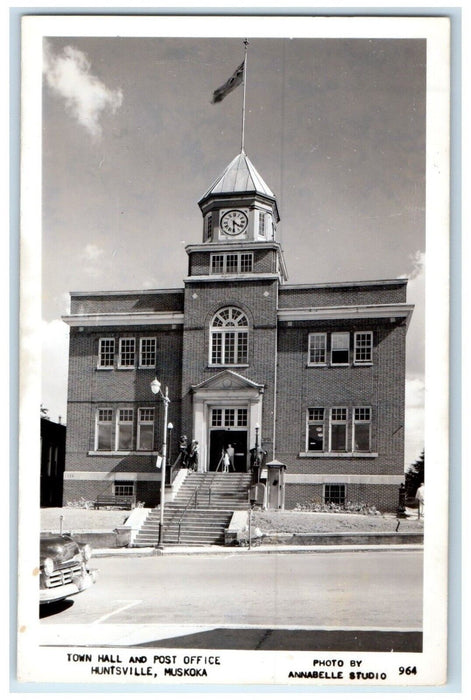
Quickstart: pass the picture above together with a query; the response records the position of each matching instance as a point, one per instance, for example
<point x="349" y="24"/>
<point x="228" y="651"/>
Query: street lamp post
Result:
<point x="257" y="428"/>
<point x="257" y="455"/>
<point x="156" y="389"/>
<point x="170" y="431"/>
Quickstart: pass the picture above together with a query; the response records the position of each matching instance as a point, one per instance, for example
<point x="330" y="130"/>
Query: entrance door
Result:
<point x="219" y="440"/>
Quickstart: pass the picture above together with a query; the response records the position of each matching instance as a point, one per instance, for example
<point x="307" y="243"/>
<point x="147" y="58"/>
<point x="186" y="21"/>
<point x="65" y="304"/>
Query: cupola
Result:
<point x="239" y="205"/>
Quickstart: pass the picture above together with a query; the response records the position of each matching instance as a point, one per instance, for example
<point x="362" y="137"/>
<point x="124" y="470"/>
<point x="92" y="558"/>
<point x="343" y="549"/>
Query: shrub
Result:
<point x="347" y="507"/>
<point x="81" y="503"/>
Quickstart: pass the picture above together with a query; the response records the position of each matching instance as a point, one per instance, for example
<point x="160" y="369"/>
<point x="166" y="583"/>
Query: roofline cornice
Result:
<point x="324" y="313"/>
<point x="356" y="283"/>
<point x="236" y="245"/>
<point x="124" y="292"/>
<point x="239" y="277"/>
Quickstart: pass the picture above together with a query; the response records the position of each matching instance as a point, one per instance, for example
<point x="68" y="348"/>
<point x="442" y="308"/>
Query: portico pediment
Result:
<point x="227" y="380"/>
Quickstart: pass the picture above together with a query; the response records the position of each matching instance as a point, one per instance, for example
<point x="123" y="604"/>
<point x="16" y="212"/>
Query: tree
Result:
<point x="415" y="475"/>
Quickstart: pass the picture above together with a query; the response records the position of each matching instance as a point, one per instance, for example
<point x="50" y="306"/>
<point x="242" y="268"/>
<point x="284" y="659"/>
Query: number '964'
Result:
<point x="408" y="670"/>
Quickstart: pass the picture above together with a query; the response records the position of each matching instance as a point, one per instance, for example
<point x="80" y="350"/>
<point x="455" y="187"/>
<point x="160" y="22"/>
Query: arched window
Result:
<point x="229" y="335"/>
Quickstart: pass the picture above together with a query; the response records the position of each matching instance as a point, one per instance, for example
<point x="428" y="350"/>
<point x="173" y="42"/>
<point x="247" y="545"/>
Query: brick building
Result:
<point x="52" y="463"/>
<point x="314" y="374"/>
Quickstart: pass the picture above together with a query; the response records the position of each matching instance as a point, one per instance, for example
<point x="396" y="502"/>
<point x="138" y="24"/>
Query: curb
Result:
<point x="267" y="549"/>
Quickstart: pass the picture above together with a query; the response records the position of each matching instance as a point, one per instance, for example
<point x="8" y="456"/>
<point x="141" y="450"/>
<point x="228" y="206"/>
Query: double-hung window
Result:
<point x="209" y="225"/>
<point x="124" y="488"/>
<point x="104" y="429"/>
<point x="147" y="352"/>
<point x="124" y="429"/>
<point x="261" y="224"/>
<point x="231" y="263"/>
<point x="217" y="264"/>
<point x="363" y="348"/>
<point x="362" y="429"/>
<point x="106" y="348"/>
<point x="127" y="353"/>
<point x="229" y="337"/>
<point x="334" y="493"/>
<point x="338" y="429"/>
<point x="246" y="262"/>
<point x="340" y="348"/>
<point x="317" y="354"/>
<point x="145" y="429"/>
<point x="315" y="430"/>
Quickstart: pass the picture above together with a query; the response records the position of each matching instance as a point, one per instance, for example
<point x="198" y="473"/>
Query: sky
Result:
<point x="131" y="141"/>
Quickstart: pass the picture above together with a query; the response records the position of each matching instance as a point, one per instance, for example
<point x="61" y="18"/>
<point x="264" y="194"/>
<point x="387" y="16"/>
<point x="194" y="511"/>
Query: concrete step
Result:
<point x="187" y="527"/>
<point x="206" y="523"/>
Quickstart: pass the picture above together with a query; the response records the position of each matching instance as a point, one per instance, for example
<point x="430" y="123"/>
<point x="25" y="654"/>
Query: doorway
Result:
<point x="219" y="440"/>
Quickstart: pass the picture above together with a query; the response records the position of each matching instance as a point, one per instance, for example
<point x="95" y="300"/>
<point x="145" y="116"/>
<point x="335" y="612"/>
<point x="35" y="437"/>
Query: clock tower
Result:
<point x="239" y="206"/>
<point x="230" y="326"/>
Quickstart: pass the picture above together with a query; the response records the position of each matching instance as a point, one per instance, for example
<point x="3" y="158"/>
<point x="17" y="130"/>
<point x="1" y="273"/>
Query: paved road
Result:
<point x="162" y="597"/>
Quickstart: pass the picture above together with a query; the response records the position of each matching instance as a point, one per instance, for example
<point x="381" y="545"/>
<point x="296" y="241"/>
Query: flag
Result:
<point x="235" y="80"/>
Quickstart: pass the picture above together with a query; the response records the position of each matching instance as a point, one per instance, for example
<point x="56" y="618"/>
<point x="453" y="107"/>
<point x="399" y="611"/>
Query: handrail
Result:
<point x="194" y="494"/>
<point x="210" y="488"/>
<point x="173" y="469"/>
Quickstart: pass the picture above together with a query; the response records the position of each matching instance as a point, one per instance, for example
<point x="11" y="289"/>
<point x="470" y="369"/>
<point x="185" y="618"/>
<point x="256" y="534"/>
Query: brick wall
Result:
<point x="258" y="300"/>
<point x="171" y="300"/>
<point x="90" y="389"/>
<point x="384" y="497"/>
<point x="263" y="261"/>
<point x="380" y="386"/>
<point x="183" y="361"/>
<point x="342" y="295"/>
<point x="147" y="492"/>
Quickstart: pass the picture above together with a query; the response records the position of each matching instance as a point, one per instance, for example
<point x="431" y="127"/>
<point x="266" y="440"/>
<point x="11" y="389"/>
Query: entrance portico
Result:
<point x="226" y="409"/>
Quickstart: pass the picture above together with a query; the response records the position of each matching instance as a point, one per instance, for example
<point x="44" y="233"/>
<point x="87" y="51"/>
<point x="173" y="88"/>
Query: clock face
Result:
<point x="234" y="222"/>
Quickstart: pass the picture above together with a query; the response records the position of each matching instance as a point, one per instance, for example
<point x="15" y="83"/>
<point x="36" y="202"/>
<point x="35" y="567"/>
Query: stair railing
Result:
<point x="210" y="488"/>
<point x="194" y="495"/>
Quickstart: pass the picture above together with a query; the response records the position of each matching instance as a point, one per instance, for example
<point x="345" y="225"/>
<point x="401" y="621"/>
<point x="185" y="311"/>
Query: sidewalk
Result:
<point x="255" y="549"/>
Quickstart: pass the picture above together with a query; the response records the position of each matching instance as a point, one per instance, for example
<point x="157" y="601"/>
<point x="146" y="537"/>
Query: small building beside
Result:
<point x="52" y="463"/>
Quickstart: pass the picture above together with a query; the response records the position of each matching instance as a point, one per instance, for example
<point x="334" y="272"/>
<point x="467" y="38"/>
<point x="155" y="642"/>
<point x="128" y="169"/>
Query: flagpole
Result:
<point x="242" y="145"/>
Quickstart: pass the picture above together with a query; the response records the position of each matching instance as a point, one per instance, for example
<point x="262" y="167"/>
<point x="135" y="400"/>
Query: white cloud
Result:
<point x="92" y="252"/>
<point x="55" y="352"/>
<point x="94" y="261"/>
<point x="415" y="413"/>
<point x="86" y="96"/>
<point x="415" y="383"/>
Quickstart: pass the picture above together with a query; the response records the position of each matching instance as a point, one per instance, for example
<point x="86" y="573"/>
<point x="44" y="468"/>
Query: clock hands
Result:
<point x="233" y="223"/>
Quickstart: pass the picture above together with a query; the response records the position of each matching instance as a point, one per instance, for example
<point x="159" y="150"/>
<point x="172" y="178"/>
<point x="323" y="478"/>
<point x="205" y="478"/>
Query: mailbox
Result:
<point x="275" y="485"/>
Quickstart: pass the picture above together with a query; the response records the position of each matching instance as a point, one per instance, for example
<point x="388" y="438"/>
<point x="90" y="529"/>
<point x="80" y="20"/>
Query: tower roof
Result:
<point x="239" y="176"/>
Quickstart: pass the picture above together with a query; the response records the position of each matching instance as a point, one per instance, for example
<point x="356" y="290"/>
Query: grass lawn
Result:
<point x="299" y="522"/>
<point x="82" y="519"/>
<point x="76" y="519"/>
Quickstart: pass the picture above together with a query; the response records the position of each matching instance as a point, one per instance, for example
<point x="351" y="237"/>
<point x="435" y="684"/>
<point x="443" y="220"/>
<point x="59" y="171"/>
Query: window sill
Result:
<point x="116" y="453"/>
<point x="104" y="368"/>
<point x="323" y="455"/>
<point x="225" y="366"/>
<point x="324" y="366"/>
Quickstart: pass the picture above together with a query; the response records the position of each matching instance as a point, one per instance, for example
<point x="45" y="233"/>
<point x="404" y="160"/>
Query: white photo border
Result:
<point x="435" y="30"/>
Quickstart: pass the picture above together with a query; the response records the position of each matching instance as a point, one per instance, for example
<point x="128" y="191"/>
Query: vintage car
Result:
<point x="64" y="568"/>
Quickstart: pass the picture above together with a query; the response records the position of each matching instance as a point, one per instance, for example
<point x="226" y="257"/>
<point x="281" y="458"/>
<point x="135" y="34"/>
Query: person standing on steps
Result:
<point x="193" y="456"/>
<point x="230" y="452"/>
